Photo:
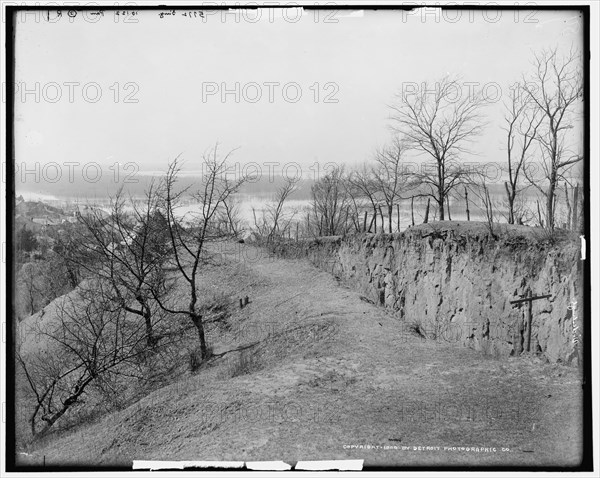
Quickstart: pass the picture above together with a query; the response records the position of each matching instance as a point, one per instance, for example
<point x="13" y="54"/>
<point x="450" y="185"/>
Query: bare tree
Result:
<point x="273" y="221"/>
<point x="362" y="187"/>
<point x="232" y="216"/>
<point x="390" y="178"/>
<point x="480" y="189"/>
<point x="555" y="87"/>
<point x="331" y="203"/>
<point x="87" y="339"/>
<point x="439" y="123"/>
<point x="189" y="234"/>
<point x="521" y="125"/>
<point x="358" y="203"/>
<point x="68" y="252"/>
<point x="130" y="247"/>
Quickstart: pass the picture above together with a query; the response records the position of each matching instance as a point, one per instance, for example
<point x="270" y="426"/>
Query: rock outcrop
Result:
<point x="454" y="281"/>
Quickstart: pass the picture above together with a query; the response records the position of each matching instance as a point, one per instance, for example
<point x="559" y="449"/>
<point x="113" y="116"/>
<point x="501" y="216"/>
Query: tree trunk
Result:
<point x="150" y="340"/>
<point x="440" y="201"/>
<point x="467" y="204"/>
<point x="365" y="222"/>
<point x="398" y="212"/>
<point x="412" y="210"/>
<point x="375" y="219"/>
<point x="489" y="210"/>
<point x="448" y="205"/>
<point x="441" y="179"/>
<point x="382" y="222"/>
<point x="540" y="220"/>
<point x="569" y="210"/>
<point x="197" y="320"/>
<point x="32" y="423"/>
<point x="550" y="201"/>
<point x="390" y="212"/>
<point x="575" y="225"/>
<point x="511" y="203"/>
<point x="71" y="400"/>
<point x="72" y="278"/>
<point x="147" y="315"/>
<point x="427" y="211"/>
<point x="31" y="300"/>
<point x="346" y="220"/>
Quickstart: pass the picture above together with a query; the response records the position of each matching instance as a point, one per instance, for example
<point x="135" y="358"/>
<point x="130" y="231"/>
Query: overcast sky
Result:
<point x="169" y="62"/>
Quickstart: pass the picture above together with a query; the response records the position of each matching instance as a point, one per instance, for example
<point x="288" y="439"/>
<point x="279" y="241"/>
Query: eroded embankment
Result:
<point x="454" y="281"/>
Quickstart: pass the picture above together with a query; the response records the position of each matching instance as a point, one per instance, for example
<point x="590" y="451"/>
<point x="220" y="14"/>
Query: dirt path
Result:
<point x="330" y="374"/>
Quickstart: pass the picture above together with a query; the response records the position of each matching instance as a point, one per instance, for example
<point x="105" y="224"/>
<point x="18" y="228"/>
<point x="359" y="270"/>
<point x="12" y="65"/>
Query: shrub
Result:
<point x="415" y="327"/>
<point x="243" y="364"/>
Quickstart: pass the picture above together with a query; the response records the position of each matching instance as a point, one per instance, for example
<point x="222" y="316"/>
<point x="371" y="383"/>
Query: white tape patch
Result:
<point x="268" y="465"/>
<point x="181" y="465"/>
<point x="341" y="465"/>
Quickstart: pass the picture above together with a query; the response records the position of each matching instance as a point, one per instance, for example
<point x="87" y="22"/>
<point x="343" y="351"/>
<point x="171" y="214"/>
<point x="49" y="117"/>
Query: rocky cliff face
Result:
<point x="454" y="282"/>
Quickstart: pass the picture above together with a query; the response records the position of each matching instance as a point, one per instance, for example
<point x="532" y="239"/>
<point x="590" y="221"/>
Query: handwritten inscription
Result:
<point x="194" y="14"/>
<point x="169" y="13"/>
<point x="187" y="14"/>
<point x="237" y="15"/>
<point x="90" y="16"/>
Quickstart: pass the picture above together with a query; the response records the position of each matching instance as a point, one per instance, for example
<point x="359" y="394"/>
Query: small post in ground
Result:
<point x="529" y="298"/>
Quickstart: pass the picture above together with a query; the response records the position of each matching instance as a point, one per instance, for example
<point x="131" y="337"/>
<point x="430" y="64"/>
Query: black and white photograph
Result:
<point x="325" y="237"/>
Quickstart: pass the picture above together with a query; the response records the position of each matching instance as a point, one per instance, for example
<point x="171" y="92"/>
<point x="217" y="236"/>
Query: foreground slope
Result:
<point x="311" y="370"/>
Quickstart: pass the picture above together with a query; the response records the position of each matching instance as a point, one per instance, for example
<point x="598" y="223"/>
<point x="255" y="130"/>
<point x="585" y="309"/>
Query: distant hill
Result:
<point x="37" y="209"/>
<point x="264" y="186"/>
